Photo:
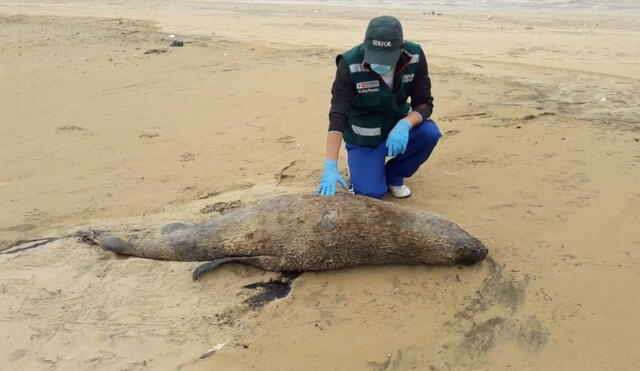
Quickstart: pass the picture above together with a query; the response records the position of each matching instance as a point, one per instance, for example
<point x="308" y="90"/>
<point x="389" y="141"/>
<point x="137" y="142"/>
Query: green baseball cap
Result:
<point x="383" y="41"/>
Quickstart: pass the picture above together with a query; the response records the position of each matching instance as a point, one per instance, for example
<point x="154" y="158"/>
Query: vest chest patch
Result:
<point x="368" y="86"/>
<point x="407" y="77"/>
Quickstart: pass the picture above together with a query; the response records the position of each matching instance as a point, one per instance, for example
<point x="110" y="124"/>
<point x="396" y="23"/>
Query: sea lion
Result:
<point x="308" y="232"/>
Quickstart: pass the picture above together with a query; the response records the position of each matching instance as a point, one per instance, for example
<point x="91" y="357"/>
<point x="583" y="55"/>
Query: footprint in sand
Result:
<point x="450" y="133"/>
<point x="287" y="139"/>
<point x="187" y="156"/>
<point x="71" y="129"/>
<point x="35" y="214"/>
<point x="575" y="181"/>
<point x="222" y="207"/>
<point x="148" y="135"/>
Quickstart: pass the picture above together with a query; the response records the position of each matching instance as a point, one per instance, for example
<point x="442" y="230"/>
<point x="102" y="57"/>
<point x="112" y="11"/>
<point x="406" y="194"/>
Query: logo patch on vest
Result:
<point x="368" y="86"/>
<point x="407" y="78"/>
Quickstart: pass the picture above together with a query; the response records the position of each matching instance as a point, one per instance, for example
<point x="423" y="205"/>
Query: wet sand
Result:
<point x="539" y="159"/>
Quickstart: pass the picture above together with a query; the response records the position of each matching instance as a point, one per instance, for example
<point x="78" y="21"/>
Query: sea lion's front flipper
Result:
<point x="260" y="262"/>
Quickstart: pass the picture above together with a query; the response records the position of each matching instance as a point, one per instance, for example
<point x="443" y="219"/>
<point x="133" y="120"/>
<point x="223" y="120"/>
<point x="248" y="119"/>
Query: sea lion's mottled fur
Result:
<point x="306" y="232"/>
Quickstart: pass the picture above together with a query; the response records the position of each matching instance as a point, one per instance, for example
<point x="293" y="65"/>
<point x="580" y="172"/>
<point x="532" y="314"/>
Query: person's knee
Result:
<point x="426" y="136"/>
<point x="371" y="190"/>
<point x="429" y="132"/>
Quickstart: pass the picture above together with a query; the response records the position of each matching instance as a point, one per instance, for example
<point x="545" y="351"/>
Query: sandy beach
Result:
<point x="103" y="125"/>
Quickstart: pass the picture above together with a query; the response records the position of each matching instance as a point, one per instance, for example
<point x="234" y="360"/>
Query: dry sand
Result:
<point x="539" y="159"/>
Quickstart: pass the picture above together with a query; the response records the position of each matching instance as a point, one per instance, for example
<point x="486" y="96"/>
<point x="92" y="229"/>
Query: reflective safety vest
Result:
<point x="376" y="108"/>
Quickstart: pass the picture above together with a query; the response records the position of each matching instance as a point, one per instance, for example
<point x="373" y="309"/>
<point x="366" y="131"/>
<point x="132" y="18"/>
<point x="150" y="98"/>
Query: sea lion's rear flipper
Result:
<point x="255" y="261"/>
<point x="115" y="244"/>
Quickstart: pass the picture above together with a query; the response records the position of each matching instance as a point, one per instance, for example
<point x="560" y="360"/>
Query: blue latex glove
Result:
<point x="398" y="138"/>
<point x="330" y="177"/>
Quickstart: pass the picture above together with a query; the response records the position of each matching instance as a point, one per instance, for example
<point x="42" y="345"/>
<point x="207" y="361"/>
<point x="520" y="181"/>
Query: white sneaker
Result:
<point x="400" y="191"/>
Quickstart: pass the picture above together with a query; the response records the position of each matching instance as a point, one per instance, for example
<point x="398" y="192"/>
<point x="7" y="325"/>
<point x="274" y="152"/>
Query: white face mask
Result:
<point x="381" y="69"/>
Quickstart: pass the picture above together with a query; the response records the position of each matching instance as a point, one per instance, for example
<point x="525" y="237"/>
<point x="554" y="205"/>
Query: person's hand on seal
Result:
<point x="398" y="138"/>
<point x="330" y="177"/>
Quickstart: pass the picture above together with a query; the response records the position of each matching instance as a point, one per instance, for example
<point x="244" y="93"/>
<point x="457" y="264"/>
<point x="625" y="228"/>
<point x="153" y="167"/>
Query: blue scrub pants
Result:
<point x="369" y="174"/>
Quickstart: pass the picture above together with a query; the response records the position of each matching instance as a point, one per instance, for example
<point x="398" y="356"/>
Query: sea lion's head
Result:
<point x="471" y="252"/>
